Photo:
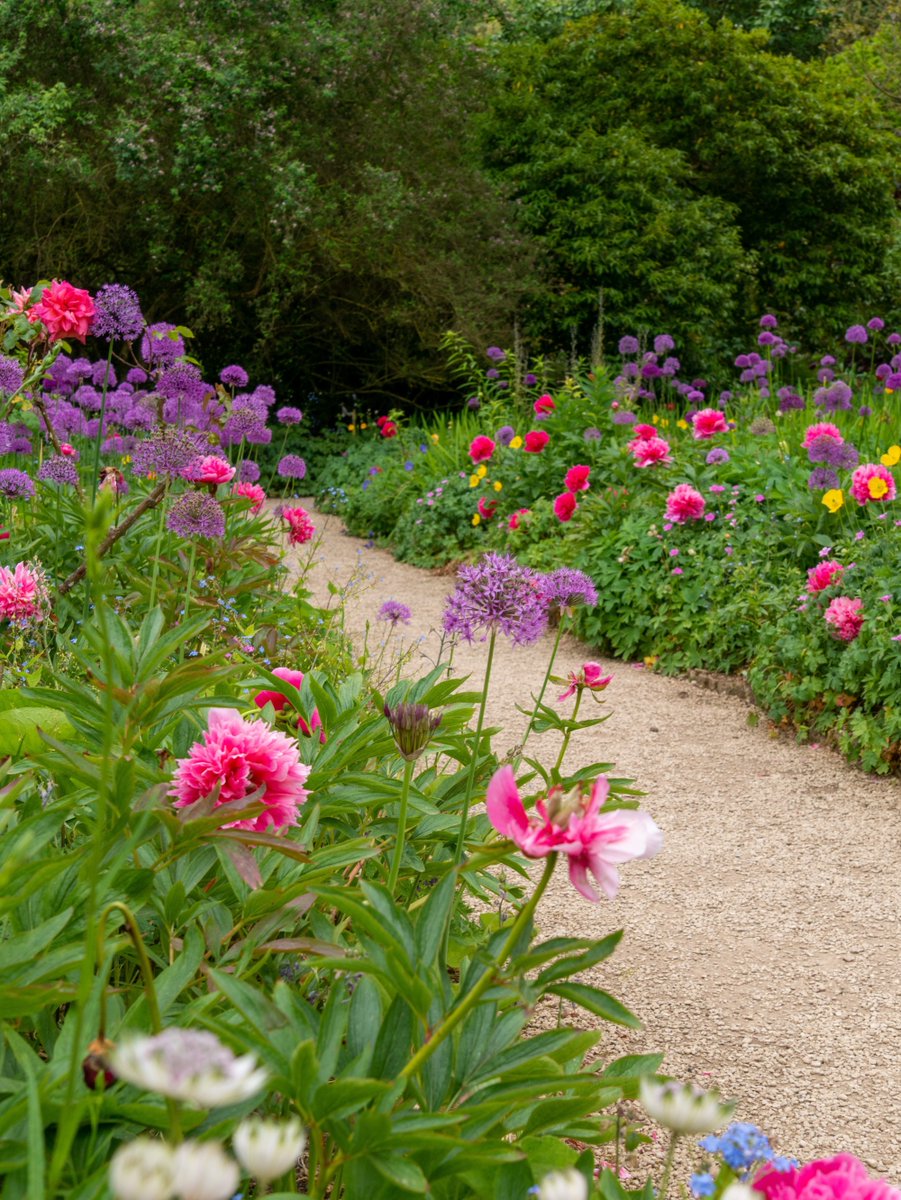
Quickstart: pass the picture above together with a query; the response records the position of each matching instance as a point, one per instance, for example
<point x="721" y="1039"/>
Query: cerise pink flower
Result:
<point x="300" y="527"/>
<point x="845" y="616"/>
<point x="516" y="518"/>
<point x="252" y="492"/>
<point x="23" y="592"/>
<point x="843" y="1177"/>
<point x="684" y="503"/>
<point x="280" y="701"/>
<point x="481" y="448"/>
<point x="64" y="310"/>
<point x="536" y="440"/>
<point x="873" y="481"/>
<point x="643" y="432"/>
<point x="708" y="423"/>
<point x="648" y="452"/>
<point x="544" y="405"/>
<point x="209" y="468"/>
<point x="239" y="757"/>
<point x="590" y="675"/>
<point x="576" y="479"/>
<point x="824" y="575"/>
<point x="565" y="506"/>
<point x="819" y="430"/>
<point x="574" y="824"/>
<point x="487" y="508"/>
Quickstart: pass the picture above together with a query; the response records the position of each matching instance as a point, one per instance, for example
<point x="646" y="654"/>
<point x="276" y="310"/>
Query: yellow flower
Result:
<point x="516" y="443"/>
<point x="665" y="422"/>
<point x="435" y="439"/>
<point x="482" y="471"/>
<point x="877" y="488"/>
<point x="473" y="481"/>
<point x="497" y="485"/>
<point x="834" y="499"/>
<point x="682" y="423"/>
<point x="654" y="419"/>
<point x="477" y="520"/>
<point x="126" y="458"/>
<point x="351" y="429"/>
<point x="891" y="456"/>
<point x="364" y="426"/>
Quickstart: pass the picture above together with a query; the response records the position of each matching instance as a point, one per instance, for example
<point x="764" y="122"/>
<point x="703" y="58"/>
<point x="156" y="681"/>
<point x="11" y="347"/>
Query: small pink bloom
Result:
<point x="845" y="617"/>
<point x="674" y="553"/>
<point x="544" y="405"/>
<point x="685" y="503"/>
<point x="708" y="423"/>
<point x="821" y="429"/>
<point x="487" y="508"/>
<point x="279" y="702"/>
<point x="574" y="824"/>
<point x="23" y="592"/>
<point x="536" y="440"/>
<point x="64" y="310"/>
<point x="209" y="468"/>
<point x="576" y="479"/>
<point x="300" y="527"/>
<point x="516" y="518"/>
<point x="716" y="488"/>
<point x="590" y="675"/>
<point x="759" y="498"/>
<point x="843" y="1177"/>
<point x="252" y="492"/>
<point x="873" y="481"/>
<point x="647" y="452"/>
<point x="68" y="450"/>
<point x="824" y="575"/>
<point x="481" y="448"/>
<point x="20" y="299"/>
<point x="677" y="571"/>
<point x="565" y="506"/>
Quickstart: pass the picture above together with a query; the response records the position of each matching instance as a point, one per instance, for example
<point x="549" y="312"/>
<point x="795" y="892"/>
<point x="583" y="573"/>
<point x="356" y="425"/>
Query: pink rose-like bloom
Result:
<point x="20" y="299"/>
<point x="536" y="440"/>
<point x="843" y="1177"/>
<point x="576" y="479"/>
<point x="481" y="449"/>
<point x="300" y="527"/>
<point x="253" y="492"/>
<point x="516" y="518"/>
<point x="64" y="310"/>
<point x="647" y="452"/>
<point x="643" y="433"/>
<point x="684" y="503"/>
<point x="544" y="405"/>
<point x="708" y="423"/>
<point x="23" y="592"/>
<point x="574" y="825"/>
<point x="821" y="429"/>
<point x="239" y="757"/>
<point x="824" y="575"/>
<point x="209" y="468"/>
<point x="69" y="451"/>
<point x="279" y="702"/>
<point x="590" y="675"/>
<point x="860" y="483"/>
<point x="565" y="505"/>
<point x="845" y="617"/>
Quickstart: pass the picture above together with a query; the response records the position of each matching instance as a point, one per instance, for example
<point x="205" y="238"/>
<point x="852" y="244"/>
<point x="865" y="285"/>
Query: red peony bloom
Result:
<point x="576" y="479"/>
<point x="252" y="492"/>
<point x="565" y="505"/>
<point x="536" y="440"/>
<point x="389" y="429"/>
<point x="487" y="508"/>
<point x="708" y="423"/>
<point x="481" y="448"/>
<point x="64" y="310"/>
<point x="544" y="405"/>
<point x="516" y="518"/>
<point x="300" y="527"/>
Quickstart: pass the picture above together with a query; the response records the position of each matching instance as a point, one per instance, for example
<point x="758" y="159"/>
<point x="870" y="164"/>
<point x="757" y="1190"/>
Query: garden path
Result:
<point x="763" y="947"/>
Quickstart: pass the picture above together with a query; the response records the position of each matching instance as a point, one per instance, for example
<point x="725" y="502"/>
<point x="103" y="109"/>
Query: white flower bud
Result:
<point x="563" y="1185"/>
<point x="143" y="1170"/>
<point x="684" y="1108"/>
<point x="203" y="1171"/>
<point x="740" y="1191"/>
<point x="266" y="1149"/>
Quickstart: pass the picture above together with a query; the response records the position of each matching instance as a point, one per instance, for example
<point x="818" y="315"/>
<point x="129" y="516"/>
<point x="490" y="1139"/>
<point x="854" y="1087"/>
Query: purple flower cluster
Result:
<point x="162" y="343"/>
<point x="568" y="588"/>
<point x="841" y="455"/>
<point x="496" y="594"/>
<point x="717" y="455"/>
<point x="628" y="344"/>
<point x="789" y="400"/>
<point x="822" y="479"/>
<point x="624" y="418"/>
<point x="117" y="314"/>
<point x="11" y="376"/>
<point x="836" y="397"/>
<point x="248" y="471"/>
<point x="167" y="452"/>
<point x="234" y="376"/>
<point x="196" y="514"/>
<point x="395" y="612"/>
<point x="495" y="353"/>
<point x="289" y="416"/>
<point x="58" y="469"/>
<point x="292" y="466"/>
<point x="857" y="336"/>
<point x="15" y="485"/>
<point x="505" y="435"/>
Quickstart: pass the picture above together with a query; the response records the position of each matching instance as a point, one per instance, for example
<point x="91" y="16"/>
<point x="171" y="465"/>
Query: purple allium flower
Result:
<point x="103" y="373"/>
<point x="894" y="339"/>
<point x="670" y="366"/>
<point x="474" y="403"/>
<point x="264" y="394"/>
<point x="15" y="485"/>
<point x="592" y="434"/>
<point x="743" y="362"/>
<point x="168" y="452"/>
<point x="289" y="416"/>
<point x="789" y="400"/>
<point x="875" y="324"/>
<point x="58" y="469"/>
<point x="248" y="471"/>
<point x="650" y="370"/>
<point x="182" y="381"/>
<point x="725" y="397"/>
<point x="568" y="588"/>
<point x="822" y="479"/>
<point x="629" y="344"/>
<point x="395" y="612"/>
<point x="768" y="321"/>
<point x="857" y="335"/>
<point x="846" y="456"/>
<point x="117" y="314"/>
<point x="765" y="338"/>
<point x="624" y="418"/>
<point x="161" y="343"/>
<point x="11" y="376"/>
<point x="717" y="455"/>
<point x="835" y="398"/>
<point x="865" y="410"/>
<point x="81" y="368"/>
<point x="234" y="376"/>
<point x="495" y="353"/>
<point x="497" y="594"/>
<point x="529" y="379"/>
<point x="137" y="376"/>
<point x="893" y="381"/>
<point x="882" y="371"/>
<point x="491" y="373"/>
<point x="663" y="343"/>
<point x="292" y="466"/>
<point x="20" y="445"/>
<point x="505" y="435"/>
<point x="196" y="514"/>
<point x="243" y="425"/>
<point x="761" y="427"/>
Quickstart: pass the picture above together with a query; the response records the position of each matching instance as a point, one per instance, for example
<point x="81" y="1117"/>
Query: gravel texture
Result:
<point x="762" y="948"/>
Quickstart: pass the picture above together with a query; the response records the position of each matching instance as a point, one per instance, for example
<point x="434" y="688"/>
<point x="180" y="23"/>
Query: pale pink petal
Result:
<point x="578" y="877"/>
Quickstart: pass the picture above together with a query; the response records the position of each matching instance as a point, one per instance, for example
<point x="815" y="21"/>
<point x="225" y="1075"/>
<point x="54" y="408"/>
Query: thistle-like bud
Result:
<point x="412" y="726"/>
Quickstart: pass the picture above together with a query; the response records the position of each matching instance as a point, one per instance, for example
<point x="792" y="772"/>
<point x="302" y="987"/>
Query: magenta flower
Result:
<point x="565" y="506"/>
<point x="481" y="448"/>
<point x="590" y="675"/>
<point x="821" y="429"/>
<point x="872" y="481"/>
<point x="841" y="1178"/>
<point x="648" y="452"/>
<point x="684" y="503"/>
<point x="209" y="468"/>
<point x="573" y="824"/>
<point x="280" y="702"/>
<point x="252" y="492"/>
<point x="708" y="423"/>
<point x="300" y="528"/>
<point x="576" y="479"/>
<point x="845" y="617"/>
<point x="239" y="757"/>
<point x="23" y="592"/>
<point x="824" y="575"/>
<point x="64" y="310"/>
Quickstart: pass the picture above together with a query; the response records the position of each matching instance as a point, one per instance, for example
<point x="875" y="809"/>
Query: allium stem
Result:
<point x="401" y="826"/>
<point x="99" y="441"/>
<point x="569" y="732"/>
<point x="188" y="585"/>
<point x="470" y="780"/>
<point x="547" y="675"/>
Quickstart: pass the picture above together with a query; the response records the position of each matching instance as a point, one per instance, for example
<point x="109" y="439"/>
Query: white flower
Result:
<point x="203" y="1171"/>
<point x="684" y="1108"/>
<point x="190" y="1065"/>
<point x="266" y="1149"/>
<point x="740" y="1191"/>
<point x="563" y="1185"/>
<point x="143" y="1170"/>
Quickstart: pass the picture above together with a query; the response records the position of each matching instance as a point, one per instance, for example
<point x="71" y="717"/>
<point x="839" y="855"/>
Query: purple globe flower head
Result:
<point x="865" y="410"/>
<point x="883" y="371"/>
<point x="167" y="452"/>
<point x="894" y="339"/>
<point x="825" y="374"/>
<point x="822" y="479"/>
<point x="694" y="397"/>
<point x="846" y="457"/>
<point x="743" y="362"/>
<point x="827" y="361"/>
<point x="117" y="314"/>
<point x="663" y="343"/>
<point x="234" y="376"/>
<point x="264" y="395"/>
<point x="492" y="373"/>
<point x="630" y="371"/>
<point x="495" y="353"/>
<point x="754" y="358"/>
<point x="137" y="376"/>
<point x="260" y="435"/>
<point x="395" y="612"/>
<point x="11" y="376"/>
<point x="768" y="321"/>
<point x="242" y="425"/>
<point x="766" y="338"/>
<point x="875" y="324"/>
<point x="162" y="343"/>
<point x="857" y="335"/>
<point x="20" y="445"/>
<point x="835" y="398"/>
<point x="81" y="368"/>
<point x="505" y="435"/>
<point x="629" y="344"/>
<point x="104" y="373"/>
<point x="474" y="403"/>
<point x="789" y="400"/>
<point x="624" y="418"/>
<point x="568" y="588"/>
<point x="670" y="366"/>
<point x="529" y="379"/>
<point x="650" y="370"/>
<point x="292" y="467"/>
<point x="716" y="456"/>
<point x="196" y="514"/>
<point x="16" y="485"/>
<point x="503" y="383"/>
<point x="58" y="469"/>
<point x="779" y="350"/>
<point x="289" y="416"/>
<point x="725" y="397"/>
<point x="496" y="594"/>
<point x="592" y="434"/>
<point x="248" y="471"/>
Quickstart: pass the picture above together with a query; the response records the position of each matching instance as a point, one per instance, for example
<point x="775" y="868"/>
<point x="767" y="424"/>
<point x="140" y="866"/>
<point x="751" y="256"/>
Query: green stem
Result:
<point x="281" y="455"/>
<point x="544" y="684"/>
<point x="401" y="827"/>
<point x="109" y="363"/>
<point x="668" y="1168"/>
<point x="569" y="732"/>
<point x="156" y="557"/>
<point x="156" y="1022"/>
<point x="472" y="997"/>
<point x="458" y="851"/>
<point x="188" y="585"/>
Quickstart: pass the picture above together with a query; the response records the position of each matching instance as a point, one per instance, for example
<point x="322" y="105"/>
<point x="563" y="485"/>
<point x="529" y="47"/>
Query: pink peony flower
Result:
<point x="845" y="617"/>
<point x="279" y="702"/>
<point x="574" y="825"/>
<point x="821" y="429"/>
<point x="841" y="1178"/>
<point x="643" y="433"/>
<point x="872" y="481"/>
<point x="481" y="448"/>
<point x="684" y="503"/>
<point x="209" y="468"/>
<point x="708" y="423"/>
<point x="388" y="429"/>
<point x="240" y="757"/>
<point x="565" y="505"/>
<point x="824" y="575"/>
<point x="576" y="479"/>
<point x="64" y="310"/>
<point x="648" y="452"/>
<point x="516" y="518"/>
<point x="590" y="675"/>
<point x="69" y="451"/>
<point x="487" y="508"/>
<point x="23" y="592"/>
<point x="536" y="440"/>
<point x="544" y="405"/>
<point x="253" y="492"/>
<point x="300" y="527"/>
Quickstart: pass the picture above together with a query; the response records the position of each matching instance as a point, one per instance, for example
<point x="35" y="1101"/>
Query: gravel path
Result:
<point x="762" y="947"/>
